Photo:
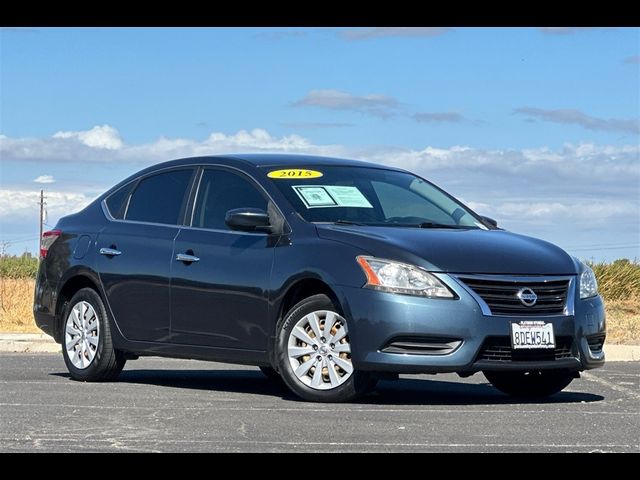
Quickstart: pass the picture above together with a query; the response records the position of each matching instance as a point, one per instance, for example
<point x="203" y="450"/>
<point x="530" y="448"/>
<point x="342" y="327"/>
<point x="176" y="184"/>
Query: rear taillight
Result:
<point x="47" y="240"/>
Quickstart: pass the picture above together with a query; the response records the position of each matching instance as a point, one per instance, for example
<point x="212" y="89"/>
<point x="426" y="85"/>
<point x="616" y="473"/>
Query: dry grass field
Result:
<point x="16" y="302"/>
<point x="619" y="284"/>
<point x="623" y="321"/>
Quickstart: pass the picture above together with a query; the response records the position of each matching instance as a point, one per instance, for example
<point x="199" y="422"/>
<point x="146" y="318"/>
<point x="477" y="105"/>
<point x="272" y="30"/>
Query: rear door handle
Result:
<point x="110" y="252"/>
<point x="183" y="257"/>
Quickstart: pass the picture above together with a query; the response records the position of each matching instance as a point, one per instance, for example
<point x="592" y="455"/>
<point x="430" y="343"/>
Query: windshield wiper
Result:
<point x="406" y="225"/>
<point x="348" y="222"/>
<point x="441" y="225"/>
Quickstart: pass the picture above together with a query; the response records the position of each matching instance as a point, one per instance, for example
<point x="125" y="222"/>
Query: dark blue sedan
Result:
<point x="328" y="274"/>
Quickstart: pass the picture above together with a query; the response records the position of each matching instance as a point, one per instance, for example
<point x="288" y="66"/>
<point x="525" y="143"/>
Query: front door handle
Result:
<point x="110" y="252"/>
<point x="183" y="257"/>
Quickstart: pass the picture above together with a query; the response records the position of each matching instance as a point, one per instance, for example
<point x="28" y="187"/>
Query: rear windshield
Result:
<point x="368" y="196"/>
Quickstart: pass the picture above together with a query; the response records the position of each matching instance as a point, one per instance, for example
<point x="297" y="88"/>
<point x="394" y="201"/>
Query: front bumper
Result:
<point x="376" y="318"/>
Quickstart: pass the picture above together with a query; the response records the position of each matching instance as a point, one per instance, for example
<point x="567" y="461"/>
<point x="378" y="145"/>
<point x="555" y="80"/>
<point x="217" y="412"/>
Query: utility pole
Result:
<point x="41" y="216"/>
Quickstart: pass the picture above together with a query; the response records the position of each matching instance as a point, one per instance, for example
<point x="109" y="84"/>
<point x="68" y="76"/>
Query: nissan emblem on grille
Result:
<point x="527" y="296"/>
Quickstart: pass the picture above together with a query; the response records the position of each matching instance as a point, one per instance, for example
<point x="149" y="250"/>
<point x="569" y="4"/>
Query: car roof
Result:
<point x="267" y="160"/>
<point x="240" y="160"/>
<point x="292" y="160"/>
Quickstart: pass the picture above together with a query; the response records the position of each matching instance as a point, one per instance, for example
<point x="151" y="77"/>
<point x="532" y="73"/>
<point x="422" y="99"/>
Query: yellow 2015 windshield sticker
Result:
<point x="297" y="173"/>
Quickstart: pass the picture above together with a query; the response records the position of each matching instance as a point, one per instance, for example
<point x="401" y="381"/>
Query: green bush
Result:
<point x="24" y="266"/>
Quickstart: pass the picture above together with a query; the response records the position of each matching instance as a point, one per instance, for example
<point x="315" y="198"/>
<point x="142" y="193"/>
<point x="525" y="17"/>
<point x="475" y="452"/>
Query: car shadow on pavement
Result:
<point x="420" y="391"/>
<point x="405" y="391"/>
<point x="238" y="381"/>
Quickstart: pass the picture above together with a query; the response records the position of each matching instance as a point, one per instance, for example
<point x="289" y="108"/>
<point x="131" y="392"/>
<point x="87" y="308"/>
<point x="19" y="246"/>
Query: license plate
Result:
<point x="532" y="334"/>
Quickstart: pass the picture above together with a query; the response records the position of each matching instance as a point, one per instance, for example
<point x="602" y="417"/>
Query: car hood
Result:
<point x="457" y="251"/>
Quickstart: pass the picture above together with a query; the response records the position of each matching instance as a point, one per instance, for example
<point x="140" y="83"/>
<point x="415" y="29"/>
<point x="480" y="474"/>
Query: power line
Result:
<point x="620" y="244"/>
<point x="18" y="240"/>
<point x="602" y="248"/>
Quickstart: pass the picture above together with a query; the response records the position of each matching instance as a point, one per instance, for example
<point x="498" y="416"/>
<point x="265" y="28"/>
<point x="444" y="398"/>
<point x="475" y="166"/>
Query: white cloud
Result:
<point x="576" y="117"/>
<point x="438" y="117"/>
<point x="23" y="204"/>
<point x="538" y="191"/>
<point x="89" y="146"/>
<point x="44" y="179"/>
<point x="100" y="136"/>
<point x="585" y="210"/>
<point x="583" y="162"/>
<point x="598" y="210"/>
<point x="586" y="161"/>
<point x="373" y="104"/>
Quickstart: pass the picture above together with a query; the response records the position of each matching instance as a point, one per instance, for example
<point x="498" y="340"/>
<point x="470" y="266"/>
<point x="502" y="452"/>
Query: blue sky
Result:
<point x="537" y="127"/>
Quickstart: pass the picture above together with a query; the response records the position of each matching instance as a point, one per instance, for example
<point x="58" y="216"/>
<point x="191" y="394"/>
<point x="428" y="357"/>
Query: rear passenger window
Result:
<point x="117" y="201"/>
<point x="159" y="199"/>
<point x="221" y="191"/>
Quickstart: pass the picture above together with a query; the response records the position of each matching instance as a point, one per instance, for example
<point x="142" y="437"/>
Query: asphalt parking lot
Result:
<point x="163" y="405"/>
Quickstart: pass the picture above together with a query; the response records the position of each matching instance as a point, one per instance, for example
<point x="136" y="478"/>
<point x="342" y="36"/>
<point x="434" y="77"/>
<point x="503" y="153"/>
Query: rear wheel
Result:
<point x="87" y="347"/>
<point x="535" y="384"/>
<point x="314" y="353"/>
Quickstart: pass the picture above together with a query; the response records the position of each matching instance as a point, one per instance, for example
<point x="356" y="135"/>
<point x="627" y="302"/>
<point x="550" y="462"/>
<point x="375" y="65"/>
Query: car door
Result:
<point x="221" y="299"/>
<point x="135" y="251"/>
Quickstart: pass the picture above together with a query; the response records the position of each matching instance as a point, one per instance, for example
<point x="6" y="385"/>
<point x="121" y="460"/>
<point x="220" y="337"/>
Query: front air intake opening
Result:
<point x="596" y="342"/>
<point x="422" y="345"/>
<point x="498" y="349"/>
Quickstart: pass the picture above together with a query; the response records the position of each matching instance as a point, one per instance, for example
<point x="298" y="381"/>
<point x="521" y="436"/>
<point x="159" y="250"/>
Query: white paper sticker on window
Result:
<point x="348" y="196"/>
<point x="331" y="196"/>
<point x="315" y="196"/>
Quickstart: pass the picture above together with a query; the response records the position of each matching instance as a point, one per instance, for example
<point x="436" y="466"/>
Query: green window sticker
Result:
<point x="331" y="196"/>
<point x="348" y="196"/>
<point x="315" y="197"/>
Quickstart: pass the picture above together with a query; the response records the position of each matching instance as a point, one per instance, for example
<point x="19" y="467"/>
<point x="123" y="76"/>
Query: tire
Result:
<point x="98" y="363"/>
<point x="536" y="384"/>
<point x="314" y="381"/>
<point x="271" y="373"/>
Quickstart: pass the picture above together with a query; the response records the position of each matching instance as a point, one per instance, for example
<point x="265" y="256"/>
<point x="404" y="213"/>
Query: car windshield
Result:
<point x="369" y="196"/>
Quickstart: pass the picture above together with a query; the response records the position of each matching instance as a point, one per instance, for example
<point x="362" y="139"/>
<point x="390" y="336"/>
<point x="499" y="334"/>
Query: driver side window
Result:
<point x="221" y="191"/>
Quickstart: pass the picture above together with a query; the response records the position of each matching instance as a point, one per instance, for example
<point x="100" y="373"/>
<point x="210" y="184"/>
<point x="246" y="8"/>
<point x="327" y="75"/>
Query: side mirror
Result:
<point x="248" y="220"/>
<point x="490" y="221"/>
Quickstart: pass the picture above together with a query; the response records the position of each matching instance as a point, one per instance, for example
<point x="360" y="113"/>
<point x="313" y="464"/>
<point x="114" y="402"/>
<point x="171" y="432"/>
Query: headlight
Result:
<point x="396" y="277"/>
<point x="588" y="283"/>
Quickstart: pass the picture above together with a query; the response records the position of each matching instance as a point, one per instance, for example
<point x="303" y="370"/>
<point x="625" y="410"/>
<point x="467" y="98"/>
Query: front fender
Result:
<point x="332" y="263"/>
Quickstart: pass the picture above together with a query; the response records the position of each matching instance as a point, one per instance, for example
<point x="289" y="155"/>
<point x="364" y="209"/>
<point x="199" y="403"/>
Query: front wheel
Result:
<point x="535" y="384"/>
<point x="314" y="353"/>
<point x="86" y="339"/>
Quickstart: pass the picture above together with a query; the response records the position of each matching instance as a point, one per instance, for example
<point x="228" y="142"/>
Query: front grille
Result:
<point x="498" y="349"/>
<point x="596" y="343"/>
<point x="422" y="345"/>
<point x="501" y="295"/>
